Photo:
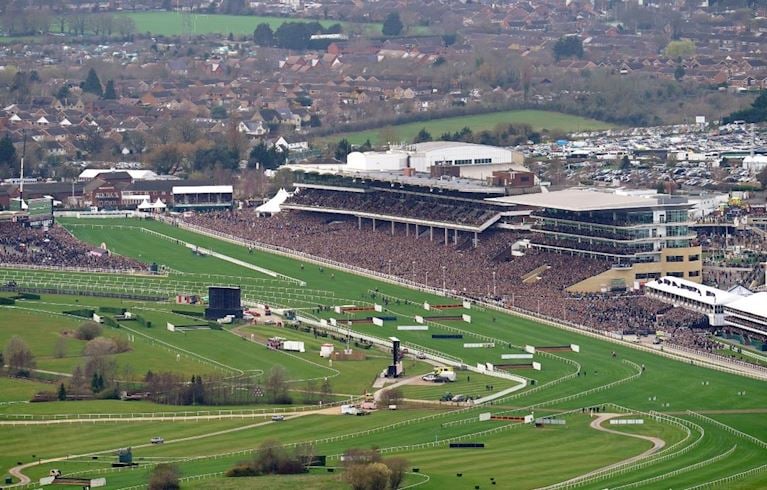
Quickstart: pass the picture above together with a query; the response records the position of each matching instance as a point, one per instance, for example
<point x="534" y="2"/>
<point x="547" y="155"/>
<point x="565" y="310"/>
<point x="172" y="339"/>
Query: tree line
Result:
<point x="293" y="35"/>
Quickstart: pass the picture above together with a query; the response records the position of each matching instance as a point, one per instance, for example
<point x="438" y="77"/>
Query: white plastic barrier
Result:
<point x="530" y="349"/>
<point x="323" y="322"/>
<point x="413" y="327"/>
<point x="377" y="321"/>
<point x="96" y="318"/>
<point x="537" y="366"/>
<point x="419" y="319"/>
<point x="516" y="356"/>
<point x="333" y="322"/>
<point x="466" y="318"/>
<point x="378" y="308"/>
<point x="575" y="347"/>
<point x="426" y="306"/>
<point x="337" y="309"/>
<point x="481" y="367"/>
<point x="170" y="327"/>
<point x="467" y="305"/>
<point x="529" y="419"/>
<point x="490" y="367"/>
<point x="484" y="416"/>
<point x="626" y="421"/>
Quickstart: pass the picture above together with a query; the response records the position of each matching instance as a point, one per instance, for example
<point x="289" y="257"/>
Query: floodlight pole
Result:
<point x="444" y="281"/>
<point x="21" y="181"/>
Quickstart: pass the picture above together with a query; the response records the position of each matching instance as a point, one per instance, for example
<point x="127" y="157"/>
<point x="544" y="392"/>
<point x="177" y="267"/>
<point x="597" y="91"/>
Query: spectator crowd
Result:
<point x="535" y="281"/>
<point x="55" y="247"/>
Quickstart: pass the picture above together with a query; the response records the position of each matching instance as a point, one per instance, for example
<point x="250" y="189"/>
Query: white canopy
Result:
<point x="273" y="205"/>
<point x="147" y="206"/>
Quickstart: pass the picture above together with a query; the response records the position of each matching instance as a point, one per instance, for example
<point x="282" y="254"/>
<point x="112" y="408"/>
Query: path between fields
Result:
<point x="596" y="424"/>
<point x="18" y="471"/>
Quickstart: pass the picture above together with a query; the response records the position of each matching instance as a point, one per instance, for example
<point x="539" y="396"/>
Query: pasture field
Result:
<point x="538" y="120"/>
<point x="724" y="441"/>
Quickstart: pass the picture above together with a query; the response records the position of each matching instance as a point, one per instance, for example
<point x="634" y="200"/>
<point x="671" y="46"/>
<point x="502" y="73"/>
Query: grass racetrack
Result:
<point x="724" y="441"/>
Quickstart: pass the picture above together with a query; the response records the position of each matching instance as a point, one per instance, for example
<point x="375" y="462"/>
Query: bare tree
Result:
<point x="397" y="468"/>
<point x="18" y="357"/>
<point x="276" y="384"/>
<point x="60" y="347"/>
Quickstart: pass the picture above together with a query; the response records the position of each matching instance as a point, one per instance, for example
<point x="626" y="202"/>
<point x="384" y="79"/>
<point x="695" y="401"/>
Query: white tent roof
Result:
<point x="158" y="204"/>
<point x="273" y="204"/>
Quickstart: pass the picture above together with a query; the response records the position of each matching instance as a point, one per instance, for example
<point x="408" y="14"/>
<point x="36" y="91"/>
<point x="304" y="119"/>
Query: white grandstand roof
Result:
<point x="756" y="305"/>
<point x="91" y="173"/>
<point x="202" y="189"/>
<point x="579" y="200"/>
<point x="692" y="290"/>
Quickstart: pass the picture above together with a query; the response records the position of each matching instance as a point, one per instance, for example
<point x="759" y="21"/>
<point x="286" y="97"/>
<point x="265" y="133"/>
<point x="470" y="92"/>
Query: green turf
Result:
<point x="538" y="120"/>
<point x="519" y="457"/>
<point x="172" y="24"/>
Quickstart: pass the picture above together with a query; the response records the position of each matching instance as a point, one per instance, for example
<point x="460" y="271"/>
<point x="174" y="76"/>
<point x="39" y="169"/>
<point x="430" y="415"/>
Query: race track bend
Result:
<point x="657" y="445"/>
<point x="18" y="471"/>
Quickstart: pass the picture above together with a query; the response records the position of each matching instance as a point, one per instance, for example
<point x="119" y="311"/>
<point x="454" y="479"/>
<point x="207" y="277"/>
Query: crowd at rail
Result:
<point x="387" y="203"/>
<point x="55" y="247"/>
<point x="535" y="281"/>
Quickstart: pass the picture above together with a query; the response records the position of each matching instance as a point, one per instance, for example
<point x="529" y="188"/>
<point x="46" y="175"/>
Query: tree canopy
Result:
<point x="263" y="35"/>
<point x="92" y="84"/>
<point x="392" y="25"/>
<point x="568" y="47"/>
<point x="343" y="148"/>
<point x="109" y="91"/>
<point x="754" y="114"/>
<point x="680" y="49"/>
<point x="266" y="158"/>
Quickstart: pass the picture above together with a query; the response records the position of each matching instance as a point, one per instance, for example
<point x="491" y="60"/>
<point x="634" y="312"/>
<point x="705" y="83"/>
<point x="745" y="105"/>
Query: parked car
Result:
<point x="157" y="440"/>
<point x="278" y="418"/>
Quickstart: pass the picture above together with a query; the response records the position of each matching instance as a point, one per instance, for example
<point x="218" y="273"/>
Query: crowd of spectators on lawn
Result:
<point x="55" y="247"/>
<point x="390" y="203"/>
<point x="535" y="281"/>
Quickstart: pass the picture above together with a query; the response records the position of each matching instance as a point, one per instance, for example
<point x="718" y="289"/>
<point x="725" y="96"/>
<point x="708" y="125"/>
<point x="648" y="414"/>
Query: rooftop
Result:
<point x="420" y="179"/>
<point x="756" y="305"/>
<point x="694" y="291"/>
<point x="580" y="200"/>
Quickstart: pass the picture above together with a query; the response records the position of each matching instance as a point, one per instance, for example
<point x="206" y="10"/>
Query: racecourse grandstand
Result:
<point x="441" y="209"/>
<point x="645" y="236"/>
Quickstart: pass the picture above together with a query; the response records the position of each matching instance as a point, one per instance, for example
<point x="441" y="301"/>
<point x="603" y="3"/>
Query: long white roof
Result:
<point x="756" y="305"/>
<point x="579" y="200"/>
<point x="91" y="173"/>
<point x="692" y="290"/>
<point x="202" y="189"/>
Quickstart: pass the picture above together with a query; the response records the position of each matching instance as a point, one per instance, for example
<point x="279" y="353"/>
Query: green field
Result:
<point x="697" y="449"/>
<point x="538" y="120"/>
<point x="172" y="23"/>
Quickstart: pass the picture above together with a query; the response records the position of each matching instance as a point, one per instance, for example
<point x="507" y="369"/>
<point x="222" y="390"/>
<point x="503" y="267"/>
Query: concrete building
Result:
<point x="423" y="156"/>
<point x="645" y="236"/>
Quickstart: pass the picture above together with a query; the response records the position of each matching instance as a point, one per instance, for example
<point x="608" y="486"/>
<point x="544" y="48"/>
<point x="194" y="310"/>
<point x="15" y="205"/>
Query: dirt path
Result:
<point x="596" y="424"/>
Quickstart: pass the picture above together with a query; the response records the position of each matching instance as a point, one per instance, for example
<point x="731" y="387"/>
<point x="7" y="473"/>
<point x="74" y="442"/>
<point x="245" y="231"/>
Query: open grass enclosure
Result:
<point x="700" y="426"/>
<point x="538" y="120"/>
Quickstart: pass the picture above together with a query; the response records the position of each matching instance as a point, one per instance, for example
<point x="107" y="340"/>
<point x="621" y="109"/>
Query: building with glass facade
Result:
<point x="644" y="236"/>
